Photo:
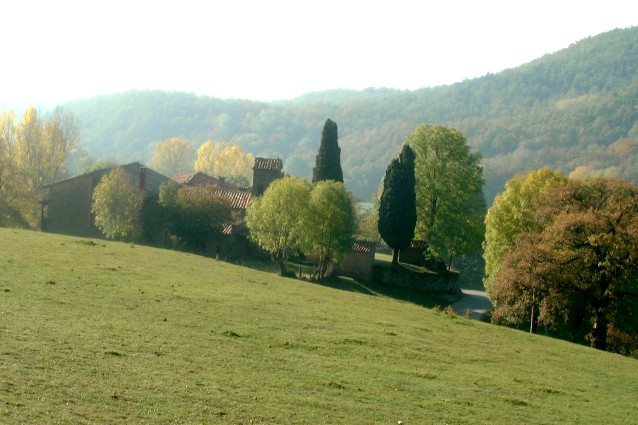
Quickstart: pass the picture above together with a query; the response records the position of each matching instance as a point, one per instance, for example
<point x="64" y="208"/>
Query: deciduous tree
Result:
<point x="397" y="206"/>
<point x="173" y="157"/>
<point x="32" y="154"/>
<point x="117" y="202"/>
<point x="275" y="219"/>
<point x="329" y="224"/>
<point x="328" y="162"/>
<point x="512" y="213"/>
<point x="43" y="145"/>
<point x="10" y="187"/>
<point x="199" y="216"/>
<point x="579" y="267"/>
<point x="449" y="192"/>
<point x="226" y="160"/>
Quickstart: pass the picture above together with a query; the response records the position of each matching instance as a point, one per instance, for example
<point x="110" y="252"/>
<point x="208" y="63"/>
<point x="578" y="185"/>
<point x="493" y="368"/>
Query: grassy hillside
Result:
<point x="101" y="332"/>
<point x="573" y="110"/>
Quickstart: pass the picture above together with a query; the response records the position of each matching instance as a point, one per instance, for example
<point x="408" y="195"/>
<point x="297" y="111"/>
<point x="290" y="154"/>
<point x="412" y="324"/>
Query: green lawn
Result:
<point x="97" y="332"/>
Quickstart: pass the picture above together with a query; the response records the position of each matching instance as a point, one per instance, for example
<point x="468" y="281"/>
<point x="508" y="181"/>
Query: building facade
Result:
<point x="66" y="207"/>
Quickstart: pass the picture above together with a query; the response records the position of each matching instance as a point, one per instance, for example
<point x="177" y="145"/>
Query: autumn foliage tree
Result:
<point x="512" y="213"/>
<point x="173" y="157"/>
<point x="226" y="160"/>
<point x="10" y="189"/>
<point x="578" y="270"/>
<point x="32" y="154"/>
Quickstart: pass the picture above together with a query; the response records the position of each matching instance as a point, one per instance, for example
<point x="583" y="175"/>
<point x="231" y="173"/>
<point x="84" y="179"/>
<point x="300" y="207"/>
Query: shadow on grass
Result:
<point x="411" y="295"/>
<point x="415" y="296"/>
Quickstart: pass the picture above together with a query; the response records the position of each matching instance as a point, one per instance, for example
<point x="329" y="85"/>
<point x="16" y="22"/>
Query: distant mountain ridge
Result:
<point x="575" y="110"/>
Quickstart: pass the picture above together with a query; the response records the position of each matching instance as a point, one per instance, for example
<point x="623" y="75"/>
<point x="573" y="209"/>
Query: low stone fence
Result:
<point x="445" y="282"/>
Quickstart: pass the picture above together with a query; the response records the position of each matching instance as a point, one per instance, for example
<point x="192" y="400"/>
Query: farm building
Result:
<point x="66" y="207"/>
<point x="266" y="171"/>
<point x="358" y="262"/>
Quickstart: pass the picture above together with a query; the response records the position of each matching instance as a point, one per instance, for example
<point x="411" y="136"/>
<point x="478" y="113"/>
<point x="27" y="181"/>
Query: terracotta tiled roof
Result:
<point x="268" y="164"/>
<point x="146" y="178"/>
<point x="238" y="200"/>
<point x="363" y="246"/>
<point x="200" y="178"/>
<point x="228" y="229"/>
<point x="184" y="179"/>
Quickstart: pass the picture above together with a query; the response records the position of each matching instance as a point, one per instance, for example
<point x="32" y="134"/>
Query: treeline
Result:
<point x="573" y="111"/>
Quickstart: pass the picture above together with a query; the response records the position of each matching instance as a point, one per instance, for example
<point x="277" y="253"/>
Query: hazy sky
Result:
<point x="59" y="50"/>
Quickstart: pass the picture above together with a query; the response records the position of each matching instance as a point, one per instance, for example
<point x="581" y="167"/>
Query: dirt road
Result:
<point x="476" y="301"/>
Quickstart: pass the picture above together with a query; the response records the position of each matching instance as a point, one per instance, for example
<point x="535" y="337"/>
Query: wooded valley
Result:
<point x="573" y="110"/>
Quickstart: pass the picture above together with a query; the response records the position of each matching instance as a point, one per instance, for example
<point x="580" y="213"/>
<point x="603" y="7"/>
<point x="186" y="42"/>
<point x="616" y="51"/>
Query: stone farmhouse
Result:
<point x="66" y="207"/>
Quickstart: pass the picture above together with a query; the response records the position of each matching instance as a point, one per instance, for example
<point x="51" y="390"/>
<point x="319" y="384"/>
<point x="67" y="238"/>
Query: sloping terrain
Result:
<point x="103" y="332"/>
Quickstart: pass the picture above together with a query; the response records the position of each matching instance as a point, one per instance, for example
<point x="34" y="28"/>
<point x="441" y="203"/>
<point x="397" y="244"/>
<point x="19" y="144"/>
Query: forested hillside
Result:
<point x="575" y="110"/>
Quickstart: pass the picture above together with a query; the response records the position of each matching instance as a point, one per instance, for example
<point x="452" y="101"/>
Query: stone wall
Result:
<point x="445" y="282"/>
<point x="67" y="208"/>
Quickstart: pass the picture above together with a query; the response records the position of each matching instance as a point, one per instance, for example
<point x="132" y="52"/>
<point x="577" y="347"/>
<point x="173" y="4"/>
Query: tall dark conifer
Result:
<point x="328" y="163"/>
<point x="397" y="206"/>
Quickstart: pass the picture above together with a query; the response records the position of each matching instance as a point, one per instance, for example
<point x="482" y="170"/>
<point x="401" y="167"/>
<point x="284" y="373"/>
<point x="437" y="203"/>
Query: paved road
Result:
<point x="476" y="301"/>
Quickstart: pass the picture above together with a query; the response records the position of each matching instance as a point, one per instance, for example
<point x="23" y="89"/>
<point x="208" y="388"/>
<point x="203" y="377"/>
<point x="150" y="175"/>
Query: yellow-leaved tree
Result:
<point x="225" y="160"/>
<point x="32" y="154"/>
<point x="173" y="157"/>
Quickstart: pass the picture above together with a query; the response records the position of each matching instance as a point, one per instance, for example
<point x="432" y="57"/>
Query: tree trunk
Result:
<point x="599" y="333"/>
<point x="395" y="256"/>
<point x="282" y="267"/>
<point x="533" y="321"/>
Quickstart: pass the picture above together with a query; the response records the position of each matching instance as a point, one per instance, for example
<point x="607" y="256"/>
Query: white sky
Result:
<point x="53" y="51"/>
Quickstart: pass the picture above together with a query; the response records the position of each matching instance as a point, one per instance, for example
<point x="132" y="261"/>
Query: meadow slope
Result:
<point x="100" y="332"/>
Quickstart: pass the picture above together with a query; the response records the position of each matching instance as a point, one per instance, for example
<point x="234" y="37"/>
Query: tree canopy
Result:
<point x="275" y="219"/>
<point x="33" y="152"/>
<point x="449" y="192"/>
<point x="225" y="160"/>
<point x="577" y="271"/>
<point x="117" y="202"/>
<point x="198" y="215"/>
<point x="397" y="205"/>
<point x="173" y="157"/>
<point x="512" y="214"/>
<point x="328" y="161"/>
<point x="329" y="223"/>
<point x="567" y="110"/>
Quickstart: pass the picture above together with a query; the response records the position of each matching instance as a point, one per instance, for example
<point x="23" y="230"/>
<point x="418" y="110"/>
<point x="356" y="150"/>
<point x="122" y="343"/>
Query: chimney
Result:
<point x="142" y="183"/>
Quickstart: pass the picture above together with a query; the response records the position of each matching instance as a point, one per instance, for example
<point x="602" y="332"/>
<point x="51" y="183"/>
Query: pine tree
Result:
<point x="397" y="207"/>
<point x="328" y="163"/>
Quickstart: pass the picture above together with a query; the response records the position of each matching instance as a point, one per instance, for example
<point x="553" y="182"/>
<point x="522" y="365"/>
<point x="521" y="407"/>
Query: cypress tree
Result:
<point x="328" y="162"/>
<point x="397" y="206"/>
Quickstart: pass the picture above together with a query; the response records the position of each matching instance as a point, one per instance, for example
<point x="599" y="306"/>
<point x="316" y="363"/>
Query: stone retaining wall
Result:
<point x="445" y="282"/>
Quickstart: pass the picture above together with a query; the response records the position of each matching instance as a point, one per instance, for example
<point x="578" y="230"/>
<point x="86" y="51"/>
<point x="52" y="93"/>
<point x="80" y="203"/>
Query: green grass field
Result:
<point x="97" y="332"/>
